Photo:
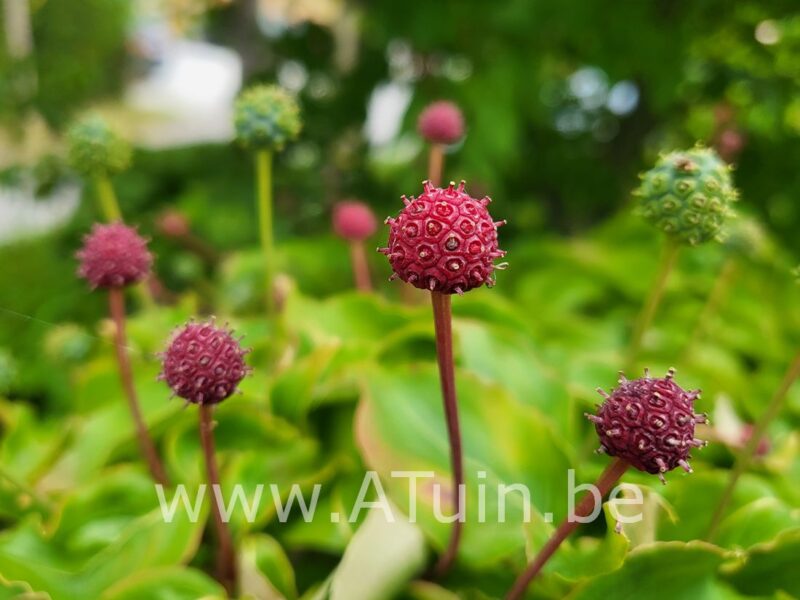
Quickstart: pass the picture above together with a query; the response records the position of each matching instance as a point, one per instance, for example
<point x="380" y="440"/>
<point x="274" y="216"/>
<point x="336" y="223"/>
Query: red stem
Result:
<point x="607" y="480"/>
<point x="116" y="302"/>
<point x="226" y="559"/>
<point x="358" y="257"/>
<point x="444" y="351"/>
<point x="435" y="164"/>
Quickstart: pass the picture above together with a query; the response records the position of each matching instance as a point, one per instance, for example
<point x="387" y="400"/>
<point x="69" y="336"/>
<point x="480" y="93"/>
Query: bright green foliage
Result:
<point x="94" y="148"/>
<point x="688" y="195"/>
<point x="266" y="118"/>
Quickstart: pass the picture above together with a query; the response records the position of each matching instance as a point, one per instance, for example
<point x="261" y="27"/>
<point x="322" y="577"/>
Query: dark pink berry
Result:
<point x="114" y="255"/>
<point x="441" y="123"/>
<point x="354" y="220"/>
<point x="444" y="240"/>
<point x="203" y="363"/>
<point x="650" y="423"/>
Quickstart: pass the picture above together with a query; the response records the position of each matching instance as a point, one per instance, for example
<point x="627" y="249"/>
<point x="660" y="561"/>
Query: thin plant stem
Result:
<point x="358" y="257"/>
<point x="604" y="484"/>
<point x="668" y="259"/>
<point x="442" y="318"/>
<point x="226" y="558"/>
<point x="116" y="301"/>
<point x="264" y="180"/>
<point x="39" y="499"/>
<point x="107" y="199"/>
<point x="745" y="456"/>
<point x="436" y="164"/>
<point x="716" y="297"/>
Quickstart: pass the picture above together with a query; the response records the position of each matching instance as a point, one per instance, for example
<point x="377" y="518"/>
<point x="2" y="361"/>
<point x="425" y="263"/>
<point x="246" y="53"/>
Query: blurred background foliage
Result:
<point x="565" y="102"/>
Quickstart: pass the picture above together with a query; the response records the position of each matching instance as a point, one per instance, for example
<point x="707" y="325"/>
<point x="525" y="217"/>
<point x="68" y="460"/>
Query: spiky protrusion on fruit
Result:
<point x="444" y="240"/>
<point x="204" y="363"/>
<point x="94" y="148"/>
<point x="354" y="220"/>
<point x="266" y="117"/>
<point x="688" y="195"/>
<point x="113" y="255"/>
<point x="650" y="423"/>
<point x="441" y="123"/>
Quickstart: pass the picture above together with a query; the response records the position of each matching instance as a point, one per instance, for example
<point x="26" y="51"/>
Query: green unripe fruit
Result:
<point x="688" y="195"/>
<point x="94" y="148"/>
<point x="747" y="238"/>
<point x="266" y="117"/>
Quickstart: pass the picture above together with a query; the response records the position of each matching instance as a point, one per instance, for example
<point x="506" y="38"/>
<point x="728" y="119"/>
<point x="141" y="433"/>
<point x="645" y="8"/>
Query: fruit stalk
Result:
<point x="264" y="179"/>
<point x="358" y="257"/>
<point x="116" y="300"/>
<point x="436" y="163"/>
<point x="226" y="559"/>
<point x="715" y="300"/>
<point x="442" y="317"/>
<point x="107" y="199"/>
<point x="604" y="484"/>
<point x="745" y="457"/>
<point x="668" y="259"/>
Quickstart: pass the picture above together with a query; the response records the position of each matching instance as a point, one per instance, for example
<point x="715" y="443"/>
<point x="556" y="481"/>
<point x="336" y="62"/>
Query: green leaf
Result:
<point x="167" y="583"/>
<point x="770" y="567"/>
<point x="400" y="426"/>
<point x="264" y="570"/>
<point x="757" y="522"/>
<point x="662" y="570"/>
<point x="384" y="554"/>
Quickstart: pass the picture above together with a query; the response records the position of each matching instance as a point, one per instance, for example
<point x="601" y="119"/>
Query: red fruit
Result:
<point x="354" y="220"/>
<point x="441" y="123"/>
<point x="650" y="423"/>
<point x="444" y="240"/>
<point x="114" y="255"/>
<point x="203" y="364"/>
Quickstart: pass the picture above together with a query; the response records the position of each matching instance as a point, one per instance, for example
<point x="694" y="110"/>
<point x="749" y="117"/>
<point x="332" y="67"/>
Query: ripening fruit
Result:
<point x="94" y="148"/>
<point x="266" y="117"/>
<point x="650" y="423"/>
<point x="203" y="363"/>
<point x="688" y="195"/>
<point x="354" y="220"/>
<point x="441" y="123"/>
<point x="113" y="255"/>
<point x="444" y="240"/>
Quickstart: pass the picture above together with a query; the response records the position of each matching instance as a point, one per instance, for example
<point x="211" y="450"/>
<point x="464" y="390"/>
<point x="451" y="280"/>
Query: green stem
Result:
<point x="264" y="180"/>
<point x="715" y="299"/>
<point x="39" y="499"/>
<point x="107" y="199"/>
<point x="668" y="259"/>
<point x="745" y="457"/>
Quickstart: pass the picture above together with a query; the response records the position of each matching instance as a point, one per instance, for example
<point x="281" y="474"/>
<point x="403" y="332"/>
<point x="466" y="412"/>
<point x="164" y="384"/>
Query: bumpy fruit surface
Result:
<point x="354" y="220"/>
<point x="203" y="363"/>
<point x="441" y="123"/>
<point x="94" y="148"/>
<point x="266" y="117"/>
<point x="114" y="255"/>
<point x="650" y="423"/>
<point x="688" y="195"/>
<point x="444" y="240"/>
